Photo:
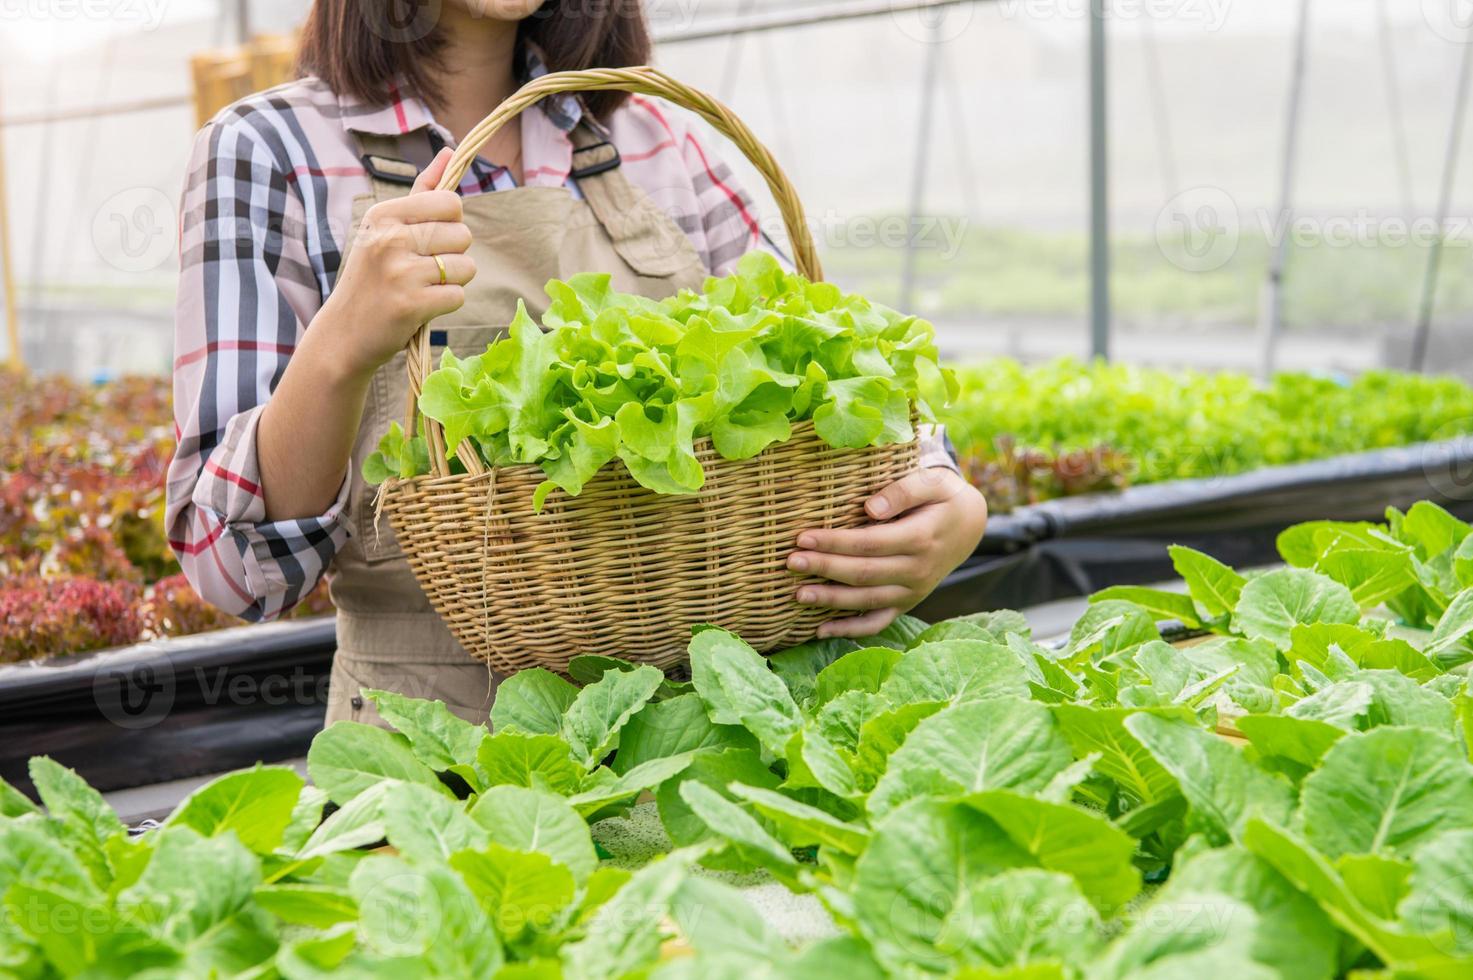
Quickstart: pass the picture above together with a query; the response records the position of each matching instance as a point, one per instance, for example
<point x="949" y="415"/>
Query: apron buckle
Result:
<point x="389" y="170"/>
<point x="600" y="167"/>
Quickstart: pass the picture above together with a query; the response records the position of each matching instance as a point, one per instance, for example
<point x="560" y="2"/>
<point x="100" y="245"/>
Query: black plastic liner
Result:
<point x="171" y="709"/>
<point x="1074" y="546"/>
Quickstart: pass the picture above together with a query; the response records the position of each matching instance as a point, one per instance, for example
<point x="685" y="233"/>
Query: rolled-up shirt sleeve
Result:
<point x="936" y="448"/>
<point x="247" y="290"/>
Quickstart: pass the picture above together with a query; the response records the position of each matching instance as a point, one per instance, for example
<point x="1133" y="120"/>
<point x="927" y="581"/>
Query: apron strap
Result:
<point x="593" y="154"/>
<point x="389" y="167"/>
<point x="642" y="233"/>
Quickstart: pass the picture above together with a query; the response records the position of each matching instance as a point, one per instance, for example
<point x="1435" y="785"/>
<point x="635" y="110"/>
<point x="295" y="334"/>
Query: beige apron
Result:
<point x="388" y="636"/>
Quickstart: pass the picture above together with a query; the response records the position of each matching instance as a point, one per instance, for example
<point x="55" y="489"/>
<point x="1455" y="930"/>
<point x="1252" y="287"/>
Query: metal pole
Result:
<point x="1099" y="187"/>
<point x="1271" y="315"/>
<point x="804" y="16"/>
<point x="1444" y="207"/>
<point x="44" y="117"/>
<point x="41" y="194"/>
<point x="960" y="143"/>
<point x="242" y="21"/>
<point x="1160" y="114"/>
<point x="7" y="270"/>
<point x="1394" y="107"/>
<point x="733" y="58"/>
<point x="929" y="69"/>
<point x="723" y="27"/>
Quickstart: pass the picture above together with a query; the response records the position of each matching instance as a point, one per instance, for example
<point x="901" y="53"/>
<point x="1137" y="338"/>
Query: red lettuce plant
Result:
<point x="39" y="617"/>
<point x="1011" y="476"/>
<point x="82" y="470"/>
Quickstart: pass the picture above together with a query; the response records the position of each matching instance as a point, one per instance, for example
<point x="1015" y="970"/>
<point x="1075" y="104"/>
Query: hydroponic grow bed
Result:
<point x="1073" y="546"/>
<point x="1292" y="797"/>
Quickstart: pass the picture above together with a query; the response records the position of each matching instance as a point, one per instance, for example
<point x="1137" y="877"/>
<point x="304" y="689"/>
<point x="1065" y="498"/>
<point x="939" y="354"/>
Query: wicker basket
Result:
<point x="620" y="570"/>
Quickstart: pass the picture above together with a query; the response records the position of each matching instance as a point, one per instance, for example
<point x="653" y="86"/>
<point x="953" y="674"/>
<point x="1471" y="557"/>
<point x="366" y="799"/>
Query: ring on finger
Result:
<point x="440" y="263"/>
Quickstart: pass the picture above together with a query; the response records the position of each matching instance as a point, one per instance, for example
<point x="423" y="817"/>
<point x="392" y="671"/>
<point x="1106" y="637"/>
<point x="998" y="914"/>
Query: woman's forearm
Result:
<point x="308" y="427"/>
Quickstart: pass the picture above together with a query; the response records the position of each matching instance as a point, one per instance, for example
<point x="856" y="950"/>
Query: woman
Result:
<point x="313" y="246"/>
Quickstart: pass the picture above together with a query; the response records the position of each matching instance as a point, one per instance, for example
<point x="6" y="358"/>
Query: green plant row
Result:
<point x="621" y="376"/>
<point x="1291" y="796"/>
<point x="1029" y="433"/>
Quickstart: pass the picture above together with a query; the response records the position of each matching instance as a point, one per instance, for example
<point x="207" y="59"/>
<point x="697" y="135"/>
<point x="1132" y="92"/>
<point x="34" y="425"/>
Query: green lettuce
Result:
<point x="610" y="376"/>
<point x="1290" y="798"/>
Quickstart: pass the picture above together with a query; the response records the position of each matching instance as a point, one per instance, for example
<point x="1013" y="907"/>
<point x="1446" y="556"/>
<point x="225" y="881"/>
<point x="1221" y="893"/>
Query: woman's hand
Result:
<point x="927" y="523"/>
<point x="390" y="284"/>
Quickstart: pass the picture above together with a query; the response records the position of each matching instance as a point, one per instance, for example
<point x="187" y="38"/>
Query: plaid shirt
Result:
<point x="265" y="216"/>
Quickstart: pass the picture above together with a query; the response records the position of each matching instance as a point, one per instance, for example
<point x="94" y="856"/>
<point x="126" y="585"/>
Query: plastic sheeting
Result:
<point x="170" y="709"/>
<point x="1078" y="545"/>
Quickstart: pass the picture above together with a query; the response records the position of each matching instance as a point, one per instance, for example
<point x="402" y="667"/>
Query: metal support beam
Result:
<point x="779" y="18"/>
<point x="1271" y="313"/>
<point x="1099" y="186"/>
<point x="7" y="269"/>
<point x="74" y="113"/>
<point x="242" y="21"/>
<point x="709" y="28"/>
<point x="1444" y="207"/>
<point x="930" y="68"/>
<point x="1392" y="78"/>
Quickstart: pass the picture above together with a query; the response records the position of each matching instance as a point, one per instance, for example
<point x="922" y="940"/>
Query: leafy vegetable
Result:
<point x="962" y="801"/>
<point x="615" y="376"/>
<point x="1031" y="433"/>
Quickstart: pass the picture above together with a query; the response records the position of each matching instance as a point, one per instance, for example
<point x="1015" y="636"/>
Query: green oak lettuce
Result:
<point x="611" y="376"/>
<point x="1031" y="432"/>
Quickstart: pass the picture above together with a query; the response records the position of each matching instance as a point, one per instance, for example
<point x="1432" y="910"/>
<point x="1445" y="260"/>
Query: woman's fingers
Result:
<point x="430" y="176"/>
<point x="865" y="624"/>
<point x="443" y="300"/>
<point x="924" y="486"/>
<point x="439" y="237"/>
<point x="849" y="597"/>
<point x="459" y="269"/>
<point x="420" y="208"/>
<point x="894" y="538"/>
<point x="850" y="570"/>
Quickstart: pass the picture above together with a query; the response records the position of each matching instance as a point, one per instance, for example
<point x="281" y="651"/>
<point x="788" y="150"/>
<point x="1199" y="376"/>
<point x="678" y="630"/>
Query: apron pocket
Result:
<point x="385" y="405"/>
<point x="653" y="246"/>
<point x="466" y="688"/>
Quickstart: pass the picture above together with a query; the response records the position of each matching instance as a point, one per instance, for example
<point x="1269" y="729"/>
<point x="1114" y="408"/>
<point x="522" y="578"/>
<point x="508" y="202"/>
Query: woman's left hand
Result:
<point x="927" y="523"/>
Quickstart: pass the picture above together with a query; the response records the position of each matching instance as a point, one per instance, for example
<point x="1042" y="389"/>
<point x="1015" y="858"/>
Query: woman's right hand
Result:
<point x="390" y="284"/>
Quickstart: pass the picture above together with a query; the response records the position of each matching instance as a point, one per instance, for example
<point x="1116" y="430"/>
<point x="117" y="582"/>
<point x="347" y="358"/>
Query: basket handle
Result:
<point x="640" y="80"/>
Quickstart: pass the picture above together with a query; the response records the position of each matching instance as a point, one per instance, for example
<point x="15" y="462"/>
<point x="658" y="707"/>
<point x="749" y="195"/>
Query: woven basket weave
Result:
<point x="620" y="570"/>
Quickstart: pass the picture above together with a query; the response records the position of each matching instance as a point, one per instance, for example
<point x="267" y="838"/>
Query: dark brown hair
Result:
<point x="360" y="47"/>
